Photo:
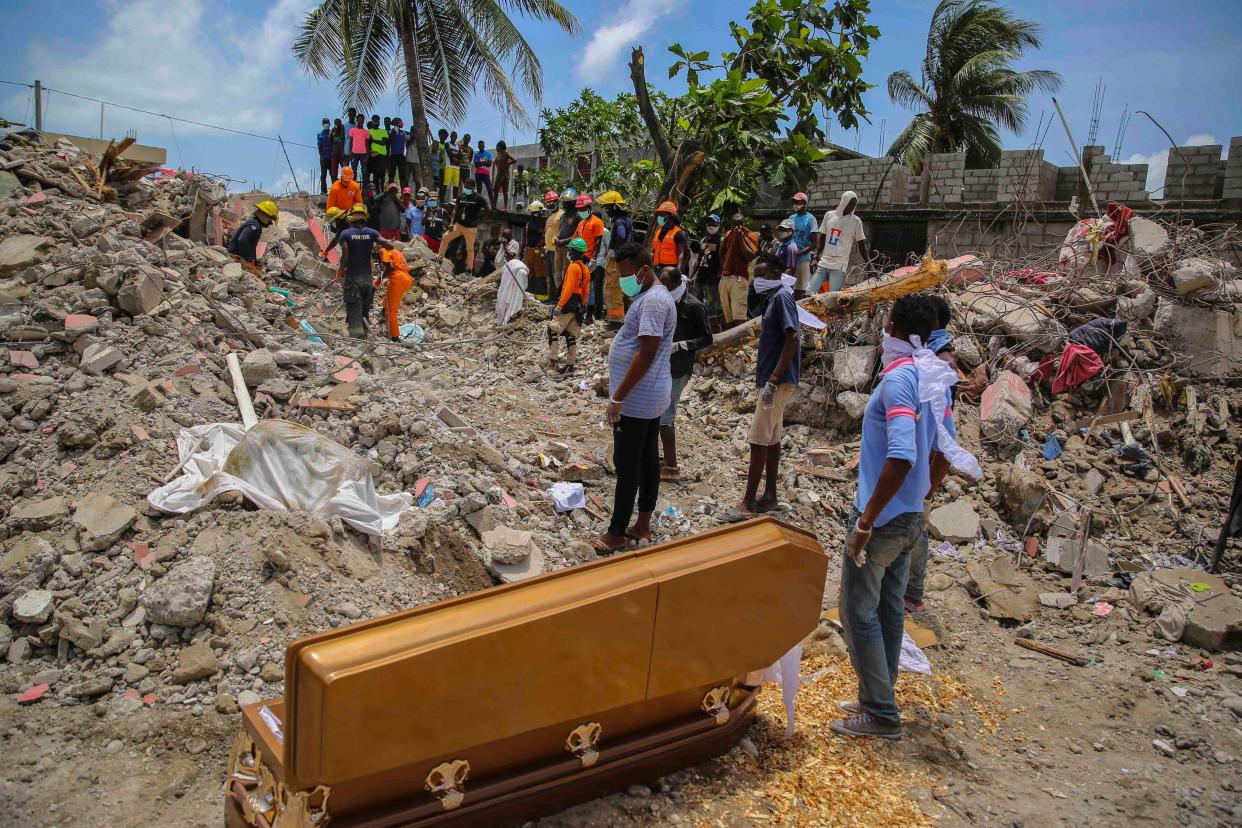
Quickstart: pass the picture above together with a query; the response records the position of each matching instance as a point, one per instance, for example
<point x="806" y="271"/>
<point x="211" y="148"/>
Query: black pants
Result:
<point x="358" y="163"/>
<point x="483" y="181"/>
<point x="359" y="293"/>
<point x="636" y="454"/>
<point x="379" y="171"/>
<point x="402" y="168"/>
<point x="325" y="170"/>
<point x="597" y="293"/>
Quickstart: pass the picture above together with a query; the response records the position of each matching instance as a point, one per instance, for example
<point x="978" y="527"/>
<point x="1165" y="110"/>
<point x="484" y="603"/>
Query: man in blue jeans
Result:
<point x="900" y="467"/>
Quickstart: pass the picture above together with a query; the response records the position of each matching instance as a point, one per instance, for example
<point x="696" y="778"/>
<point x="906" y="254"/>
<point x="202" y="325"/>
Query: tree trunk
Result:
<point x="420" y="133"/>
<point x="638" y="75"/>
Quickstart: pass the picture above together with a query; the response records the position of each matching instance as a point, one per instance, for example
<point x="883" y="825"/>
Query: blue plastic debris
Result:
<point x="1052" y="448"/>
<point x="428" y="495"/>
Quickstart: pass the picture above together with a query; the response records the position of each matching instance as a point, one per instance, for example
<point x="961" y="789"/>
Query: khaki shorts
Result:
<point x="802" y="272"/>
<point x="565" y="323"/>
<point x="733" y="297"/>
<point x="769" y="424"/>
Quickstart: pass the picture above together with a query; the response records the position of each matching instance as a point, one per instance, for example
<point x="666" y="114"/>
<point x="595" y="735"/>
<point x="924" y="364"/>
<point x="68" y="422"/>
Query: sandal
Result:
<point x="736" y="516"/>
<point x="603" y="549"/>
<point x="670" y="474"/>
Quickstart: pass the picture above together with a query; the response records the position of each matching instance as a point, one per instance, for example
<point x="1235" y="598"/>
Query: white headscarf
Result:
<point x="764" y="285"/>
<point x="935" y="379"/>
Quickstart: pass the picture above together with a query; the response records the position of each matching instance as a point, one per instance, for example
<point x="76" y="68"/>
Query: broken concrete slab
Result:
<point x="1195" y="275"/>
<point x="34" y="606"/>
<point x="20" y="252"/>
<point x="1007" y="593"/>
<point x="258" y="367"/>
<point x="1208" y="616"/>
<point x="38" y="514"/>
<point x="142" y="292"/>
<point x="1147" y="238"/>
<point x="99" y="357"/>
<point x="102" y="520"/>
<point x="1006" y="408"/>
<point x="197" y="662"/>
<point x="508" y="546"/>
<point x="1209" y="340"/>
<point x="1062" y="551"/>
<point x="955" y="522"/>
<point x="181" y="597"/>
<point x="853" y="366"/>
<point x="853" y="403"/>
<point x="1057" y="600"/>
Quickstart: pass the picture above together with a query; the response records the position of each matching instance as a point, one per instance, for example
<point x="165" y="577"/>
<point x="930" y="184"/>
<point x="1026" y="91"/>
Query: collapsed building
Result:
<point x="121" y="314"/>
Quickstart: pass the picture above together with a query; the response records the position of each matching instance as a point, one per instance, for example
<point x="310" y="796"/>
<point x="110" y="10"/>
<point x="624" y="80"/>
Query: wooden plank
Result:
<point x="327" y="405"/>
<point x="1080" y="560"/>
<point x="244" y="405"/>
<point x="1028" y="644"/>
<point x="1105" y="419"/>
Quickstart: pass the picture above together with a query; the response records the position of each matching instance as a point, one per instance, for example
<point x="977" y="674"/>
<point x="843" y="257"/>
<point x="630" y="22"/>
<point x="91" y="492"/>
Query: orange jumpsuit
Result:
<point x="399" y="281"/>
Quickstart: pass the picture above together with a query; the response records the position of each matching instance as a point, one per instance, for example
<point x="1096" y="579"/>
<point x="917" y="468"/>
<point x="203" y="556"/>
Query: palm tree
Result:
<point x="968" y="89"/>
<point x="435" y="50"/>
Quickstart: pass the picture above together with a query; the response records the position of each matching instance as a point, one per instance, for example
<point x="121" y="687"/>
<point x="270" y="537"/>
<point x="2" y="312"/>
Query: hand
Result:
<point x="856" y="544"/>
<point x="768" y="395"/>
<point x="681" y="346"/>
<point x="614" y="411"/>
<point x="927" y="507"/>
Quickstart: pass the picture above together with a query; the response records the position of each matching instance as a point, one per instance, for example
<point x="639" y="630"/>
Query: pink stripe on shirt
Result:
<point x="900" y="411"/>
<point x="897" y="363"/>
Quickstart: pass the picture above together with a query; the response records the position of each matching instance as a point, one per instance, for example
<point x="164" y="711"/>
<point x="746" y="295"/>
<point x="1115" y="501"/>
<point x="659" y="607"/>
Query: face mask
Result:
<point x="630" y="286"/>
<point x="467" y="191"/>
<point x="765" y="285"/>
<point x="894" y="349"/>
<point x="678" y="292"/>
<point x="711" y="231"/>
<point x="583" y="213"/>
<point x="433" y="203"/>
<point x="660" y="220"/>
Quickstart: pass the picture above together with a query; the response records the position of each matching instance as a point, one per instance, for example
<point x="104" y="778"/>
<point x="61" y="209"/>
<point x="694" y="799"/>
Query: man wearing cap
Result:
<point x="358" y="289"/>
<point x="565" y="230"/>
<point x="738" y="249"/>
<point x="805" y="236"/>
<point x="669" y="245"/>
<point x="244" y="242"/>
<point x="566" y="321"/>
<point x="706" y="274"/>
<point x="552" y="226"/>
<point x="466" y="215"/>
<point x="591" y="229"/>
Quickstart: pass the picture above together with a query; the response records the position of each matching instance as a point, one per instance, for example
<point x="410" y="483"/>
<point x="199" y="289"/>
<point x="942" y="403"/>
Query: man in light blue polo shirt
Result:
<point x="640" y="386"/>
<point x="805" y="230"/>
<point x="901" y="465"/>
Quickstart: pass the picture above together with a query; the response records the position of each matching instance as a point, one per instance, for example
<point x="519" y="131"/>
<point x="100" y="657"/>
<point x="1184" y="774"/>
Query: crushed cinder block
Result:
<point x="1006" y="408"/>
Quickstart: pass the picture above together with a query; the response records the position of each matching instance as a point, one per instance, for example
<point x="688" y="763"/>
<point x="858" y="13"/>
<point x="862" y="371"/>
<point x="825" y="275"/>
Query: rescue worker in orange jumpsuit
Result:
<point x="566" y="318"/>
<point x="591" y="230"/>
<point x="344" y="192"/>
<point x="397" y="273"/>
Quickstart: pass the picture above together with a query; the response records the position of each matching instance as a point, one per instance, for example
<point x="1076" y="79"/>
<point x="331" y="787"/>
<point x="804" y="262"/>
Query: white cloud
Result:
<point x="183" y="58"/>
<point x="307" y="179"/>
<point x="1158" y="162"/>
<point x="606" y="44"/>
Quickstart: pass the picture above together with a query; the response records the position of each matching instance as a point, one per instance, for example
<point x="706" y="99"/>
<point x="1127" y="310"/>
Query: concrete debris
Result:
<point x="1006" y="408"/>
<point x="180" y="598"/>
<point x="955" y="522"/>
<point x="852" y="367"/>
<point x="102" y="520"/>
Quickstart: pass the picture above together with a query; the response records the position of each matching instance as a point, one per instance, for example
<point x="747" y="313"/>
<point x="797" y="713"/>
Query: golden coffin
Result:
<point x="521" y="700"/>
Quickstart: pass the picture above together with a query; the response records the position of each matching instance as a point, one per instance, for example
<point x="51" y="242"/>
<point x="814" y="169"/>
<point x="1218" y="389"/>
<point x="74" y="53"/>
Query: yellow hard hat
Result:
<point x="358" y="210"/>
<point x="268" y="207"/>
<point x="535" y="207"/>
<point x="611" y="197"/>
<point x="334" y="213"/>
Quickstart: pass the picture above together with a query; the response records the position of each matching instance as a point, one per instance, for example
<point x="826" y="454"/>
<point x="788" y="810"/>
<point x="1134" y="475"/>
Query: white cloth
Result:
<point x="913" y="660"/>
<point x="676" y="293"/>
<point x="935" y="379"/>
<point x="514" y="277"/>
<point x="786" y="672"/>
<point x="280" y="466"/>
<point x="511" y="246"/>
<point x="840" y="232"/>
<point x="764" y="285"/>
<point x="567" y="496"/>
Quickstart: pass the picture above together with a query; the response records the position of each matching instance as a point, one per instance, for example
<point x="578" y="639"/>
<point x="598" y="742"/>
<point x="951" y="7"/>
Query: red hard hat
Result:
<point x="667" y="207"/>
<point x="550" y="195"/>
<point x="584" y="200"/>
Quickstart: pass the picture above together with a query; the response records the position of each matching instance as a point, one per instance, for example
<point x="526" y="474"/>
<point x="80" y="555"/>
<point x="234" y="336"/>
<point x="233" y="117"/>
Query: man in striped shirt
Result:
<point x="899" y="468"/>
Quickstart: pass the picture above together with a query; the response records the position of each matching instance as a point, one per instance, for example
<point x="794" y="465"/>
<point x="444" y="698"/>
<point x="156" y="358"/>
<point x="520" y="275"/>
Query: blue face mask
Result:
<point x="583" y="213"/>
<point x="467" y="191"/>
<point x="660" y="220"/>
<point x="630" y="286"/>
<point x="433" y="203"/>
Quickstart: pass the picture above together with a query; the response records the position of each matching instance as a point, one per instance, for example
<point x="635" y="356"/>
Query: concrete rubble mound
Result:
<point x="118" y="307"/>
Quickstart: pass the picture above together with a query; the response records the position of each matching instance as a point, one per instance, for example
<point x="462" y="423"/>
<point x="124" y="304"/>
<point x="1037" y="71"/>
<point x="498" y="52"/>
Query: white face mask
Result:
<point x="894" y="349"/>
<point x="679" y="291"/>
<point x="765" y="285"/>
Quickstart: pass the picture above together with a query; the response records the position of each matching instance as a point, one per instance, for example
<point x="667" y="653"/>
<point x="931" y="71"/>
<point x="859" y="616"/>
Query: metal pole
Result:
<point x="101" y="108"/>
<point x="287" y="161"/>
<point x="38" y="96"/>
<point x="1077" y="157"/>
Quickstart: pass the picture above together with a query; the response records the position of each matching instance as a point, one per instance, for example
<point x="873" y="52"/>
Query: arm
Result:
<point x="816" y="243"/>
<point x="703" y="328"/>
<point x="750" y="245"/>
<point x="939" y="470"/>
<point x="340" y="268"/>
<point x="683" y="251"/>
<point x="787" y="352"/>
<point x="891" y="477"/>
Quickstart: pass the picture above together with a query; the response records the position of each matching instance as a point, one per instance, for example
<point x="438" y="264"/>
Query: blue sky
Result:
<point x="227" y="62"/>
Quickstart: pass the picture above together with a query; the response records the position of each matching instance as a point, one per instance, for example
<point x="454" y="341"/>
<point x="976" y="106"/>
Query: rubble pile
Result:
<point x="117" y="316"/>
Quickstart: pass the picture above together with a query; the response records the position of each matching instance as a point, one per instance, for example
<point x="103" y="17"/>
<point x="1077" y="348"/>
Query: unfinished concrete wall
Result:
<point x="1231" y="186"/>
<point x="980" y="185"/>
<point x="955" y="237"/>
<point x="1115" y="182"/>
<point x="1026" y="176"/>
<point x="864" y="176"/>
<point x="948" y="177"/>
<point x="1201" y="168"/>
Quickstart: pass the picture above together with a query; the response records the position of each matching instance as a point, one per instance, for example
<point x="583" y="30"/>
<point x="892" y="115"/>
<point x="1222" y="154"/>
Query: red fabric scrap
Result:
<point x="1077" y="365"/>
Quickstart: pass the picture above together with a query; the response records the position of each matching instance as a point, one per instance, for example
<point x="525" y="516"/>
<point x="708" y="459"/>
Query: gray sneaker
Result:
<point x="852" y="707"/>
<point x="865" y="726"/>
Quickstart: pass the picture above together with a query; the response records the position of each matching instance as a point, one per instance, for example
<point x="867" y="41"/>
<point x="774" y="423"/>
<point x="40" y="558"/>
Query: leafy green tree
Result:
<point x="436" y="51"/>
<point x="755" y="121"/>
<point x="968" y="89"/>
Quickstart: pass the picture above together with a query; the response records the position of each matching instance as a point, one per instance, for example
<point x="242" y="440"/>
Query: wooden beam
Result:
<point x="1104" y="419"/>
<point x="244" y="405"/>
<point x="1026" y="643"/>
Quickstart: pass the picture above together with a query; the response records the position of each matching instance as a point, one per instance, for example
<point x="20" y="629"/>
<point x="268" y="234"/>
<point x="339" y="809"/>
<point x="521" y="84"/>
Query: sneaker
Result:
<point x="865" y="726"/>
<point x="914" y="606"/>
<point x="851" y="707"/>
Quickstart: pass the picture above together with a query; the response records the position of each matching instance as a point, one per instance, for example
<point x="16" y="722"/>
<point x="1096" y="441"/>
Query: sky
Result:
<point x="228" y="63"/>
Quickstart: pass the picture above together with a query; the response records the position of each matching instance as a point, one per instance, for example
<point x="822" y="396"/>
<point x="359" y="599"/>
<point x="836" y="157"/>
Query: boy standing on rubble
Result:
<point x="908" y="441"/>
<point x="838" y="232"/>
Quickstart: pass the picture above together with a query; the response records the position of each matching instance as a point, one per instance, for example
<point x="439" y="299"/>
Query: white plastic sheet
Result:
<point x="281" y="466"/>
<point x="784" y="672"/>
<point x="567" y="496"/>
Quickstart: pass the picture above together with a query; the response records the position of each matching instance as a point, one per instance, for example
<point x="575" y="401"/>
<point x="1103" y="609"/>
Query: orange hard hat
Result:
<point x="667" y="207"/>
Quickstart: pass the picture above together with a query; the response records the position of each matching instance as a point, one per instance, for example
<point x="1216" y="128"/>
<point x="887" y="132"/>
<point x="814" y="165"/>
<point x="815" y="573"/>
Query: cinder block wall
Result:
<point x="1116" y="182"/>
<point x="1202" y="169"/>
<point x="1231" y="186"/>
<point x="863" y="176"/>
<point x="1026" y="176"/>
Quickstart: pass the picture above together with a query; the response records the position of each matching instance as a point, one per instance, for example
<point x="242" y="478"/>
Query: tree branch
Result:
<point x="638" y="75"/>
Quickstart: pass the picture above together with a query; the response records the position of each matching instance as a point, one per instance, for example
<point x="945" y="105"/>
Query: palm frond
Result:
<point x="318" y="44"/>
<point x="905" y="91"/>
<point x="369" y="40"/>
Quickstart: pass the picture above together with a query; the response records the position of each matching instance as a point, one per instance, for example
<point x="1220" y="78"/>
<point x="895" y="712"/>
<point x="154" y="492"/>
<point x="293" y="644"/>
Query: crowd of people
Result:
<point x="663" y="296"/>
<point x="380" y="153"/>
